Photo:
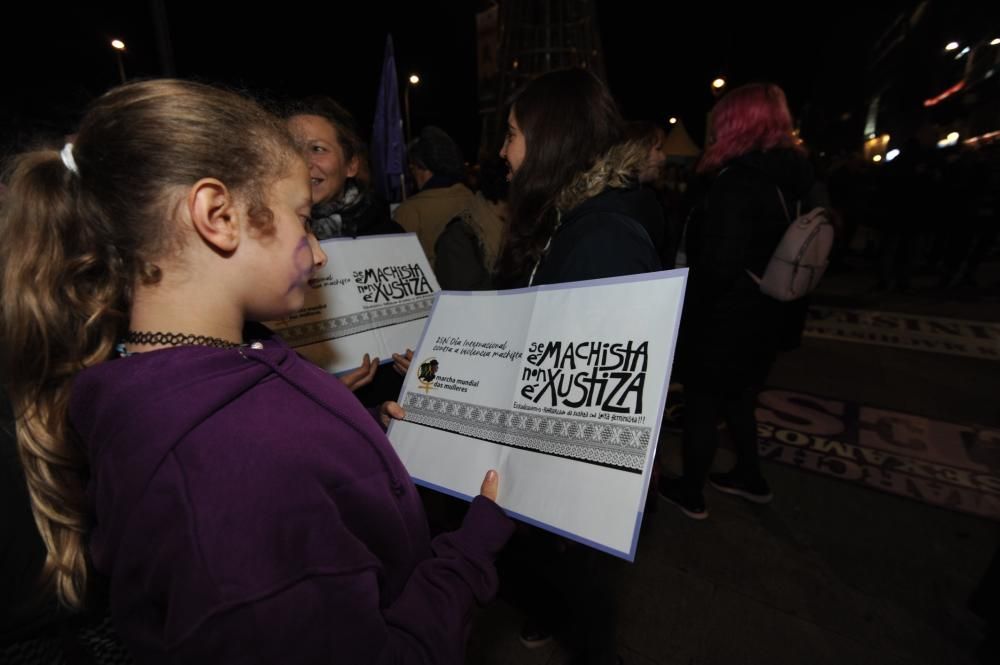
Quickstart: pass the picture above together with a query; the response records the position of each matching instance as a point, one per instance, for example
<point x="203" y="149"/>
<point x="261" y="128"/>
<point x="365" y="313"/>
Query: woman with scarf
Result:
<point x="345" y="206"/>
<point x="343" y="203"/>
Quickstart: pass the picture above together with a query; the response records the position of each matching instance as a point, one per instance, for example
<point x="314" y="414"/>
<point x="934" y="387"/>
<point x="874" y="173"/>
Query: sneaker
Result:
<point x="535" y="634"/>
<point x="756" y="490"/>
<point x="691" y="504"/>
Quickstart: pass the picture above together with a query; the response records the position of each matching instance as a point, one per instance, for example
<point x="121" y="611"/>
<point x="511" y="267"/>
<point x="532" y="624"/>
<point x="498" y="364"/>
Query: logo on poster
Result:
<point x="426" y="373"/>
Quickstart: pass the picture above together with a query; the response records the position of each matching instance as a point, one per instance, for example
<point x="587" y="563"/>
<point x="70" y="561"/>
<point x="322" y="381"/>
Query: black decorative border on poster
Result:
<point x="359" y="322"/>
<point x="613" y="445"/>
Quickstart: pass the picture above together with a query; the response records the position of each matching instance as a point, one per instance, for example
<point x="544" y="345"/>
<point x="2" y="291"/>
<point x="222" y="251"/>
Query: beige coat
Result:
<point x="428" y="212"/>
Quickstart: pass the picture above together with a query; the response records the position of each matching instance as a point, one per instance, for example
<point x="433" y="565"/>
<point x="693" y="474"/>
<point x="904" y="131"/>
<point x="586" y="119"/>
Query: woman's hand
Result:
<point x="401" y="362"/>
<point x="390" y="411"/>
<point x="362" y="376"/>
<point x="491" y="485"/>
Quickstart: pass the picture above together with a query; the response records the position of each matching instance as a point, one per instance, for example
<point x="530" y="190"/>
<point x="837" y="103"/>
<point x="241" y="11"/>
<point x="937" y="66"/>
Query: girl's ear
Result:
<point x="215" y="214"/>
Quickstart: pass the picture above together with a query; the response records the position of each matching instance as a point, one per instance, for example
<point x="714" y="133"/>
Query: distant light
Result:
<point x="962" y="52"/>
<point x="719" y="83"/>
<point x="414" y="79"/>
<point x="949" y="140"/>
<point x="118" y="44"/>
<point x="933" y="101"/>
<point x="673" y="120"/>
<point x="995" y="42"/>
<point x="872" y="135"/>
<point x="877" y="158"/>
<point x="892" y="154"/>
<point x="988" y="136"/>
<point x="951" y="46"/>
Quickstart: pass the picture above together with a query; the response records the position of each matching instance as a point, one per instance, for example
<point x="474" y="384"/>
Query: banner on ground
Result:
<point x="949" y="465"/>
<point x="976" y="339"/>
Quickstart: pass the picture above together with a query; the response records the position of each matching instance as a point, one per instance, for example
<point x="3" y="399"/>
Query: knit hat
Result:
<point x="437" y="152"/>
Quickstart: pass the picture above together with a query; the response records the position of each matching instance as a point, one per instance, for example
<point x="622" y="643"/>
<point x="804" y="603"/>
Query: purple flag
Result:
<point x="388" y="149"/>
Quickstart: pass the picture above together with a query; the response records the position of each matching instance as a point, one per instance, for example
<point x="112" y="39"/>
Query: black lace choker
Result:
<point x="177" y="339"/>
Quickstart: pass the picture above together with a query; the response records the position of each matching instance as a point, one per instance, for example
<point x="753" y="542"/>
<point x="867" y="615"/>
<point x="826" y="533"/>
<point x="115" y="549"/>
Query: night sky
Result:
<point x="659" y="61"/>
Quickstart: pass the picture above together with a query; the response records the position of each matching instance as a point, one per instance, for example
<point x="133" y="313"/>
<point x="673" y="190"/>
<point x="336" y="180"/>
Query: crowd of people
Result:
<point x="171" y="459"/>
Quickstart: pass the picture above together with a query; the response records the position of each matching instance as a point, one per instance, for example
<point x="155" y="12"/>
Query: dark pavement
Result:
<point x="831" y="571"/>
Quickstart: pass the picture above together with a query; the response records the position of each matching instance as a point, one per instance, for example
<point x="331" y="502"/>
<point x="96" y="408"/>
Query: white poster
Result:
<point x="373" y="296"/>
<point x="559" y="388"/>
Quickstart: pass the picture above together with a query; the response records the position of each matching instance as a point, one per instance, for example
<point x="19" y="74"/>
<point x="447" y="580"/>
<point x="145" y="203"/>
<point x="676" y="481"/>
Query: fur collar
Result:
<point x="617" y="168"/>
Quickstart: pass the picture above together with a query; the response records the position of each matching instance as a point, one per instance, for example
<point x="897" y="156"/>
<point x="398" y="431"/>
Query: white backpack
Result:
<point x="801" y="257"/>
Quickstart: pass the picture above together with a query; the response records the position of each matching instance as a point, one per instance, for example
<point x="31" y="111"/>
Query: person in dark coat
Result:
<point x="574" y="188"/>
<point x="648" y="210"/>
<point x="730" y="331"/>
<point x="572" y="200"/>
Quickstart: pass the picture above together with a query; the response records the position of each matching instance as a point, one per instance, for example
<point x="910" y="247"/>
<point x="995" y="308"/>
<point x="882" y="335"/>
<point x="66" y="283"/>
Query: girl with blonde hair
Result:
<point x="242" y="504"/>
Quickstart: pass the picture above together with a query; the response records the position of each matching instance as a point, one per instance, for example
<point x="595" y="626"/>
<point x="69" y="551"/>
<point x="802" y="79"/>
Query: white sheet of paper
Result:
<point x="373" y="296"/>
<point x="559" y="388"/>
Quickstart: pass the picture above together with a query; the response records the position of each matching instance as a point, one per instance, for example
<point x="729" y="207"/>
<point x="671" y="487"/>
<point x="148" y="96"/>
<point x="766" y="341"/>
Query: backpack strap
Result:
<point x="798" y="206"/>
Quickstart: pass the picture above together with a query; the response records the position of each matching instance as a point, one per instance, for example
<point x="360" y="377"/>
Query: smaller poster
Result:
<point x="373" y="296"/>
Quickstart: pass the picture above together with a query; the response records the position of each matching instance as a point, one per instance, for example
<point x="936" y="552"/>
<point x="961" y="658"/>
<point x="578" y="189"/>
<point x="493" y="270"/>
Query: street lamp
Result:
<point x="673" y="120"/>
<point x="718" y="85"/>
<point x="951" y="46"/>
<point x="119" y="47"/>
<point x="412" y="81"/>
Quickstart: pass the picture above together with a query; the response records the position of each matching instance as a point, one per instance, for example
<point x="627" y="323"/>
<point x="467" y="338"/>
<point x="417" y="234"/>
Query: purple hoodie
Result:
<point x="248" y="509"/>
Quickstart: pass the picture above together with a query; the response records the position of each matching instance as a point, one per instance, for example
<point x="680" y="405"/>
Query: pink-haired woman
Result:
<point x="730" y="330"/>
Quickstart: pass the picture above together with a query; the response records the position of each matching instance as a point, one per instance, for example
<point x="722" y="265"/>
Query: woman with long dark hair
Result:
<point x="729" y="330"/>
<point x="573" y="202"/>
<point x="573" y="195"/>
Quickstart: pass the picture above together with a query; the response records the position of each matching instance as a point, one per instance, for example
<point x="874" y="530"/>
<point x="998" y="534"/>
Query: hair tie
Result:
<point x="67" y="158"/>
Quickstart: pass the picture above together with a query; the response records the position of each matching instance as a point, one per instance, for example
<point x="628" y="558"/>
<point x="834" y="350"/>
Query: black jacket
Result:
<point x="729" y="329"/>
<point x="599" y="238"/>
